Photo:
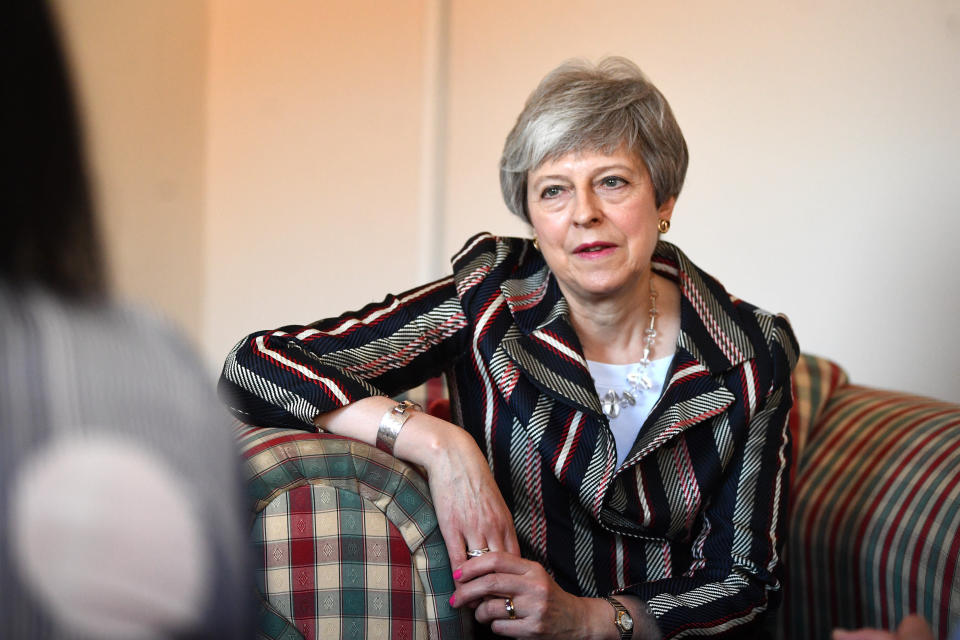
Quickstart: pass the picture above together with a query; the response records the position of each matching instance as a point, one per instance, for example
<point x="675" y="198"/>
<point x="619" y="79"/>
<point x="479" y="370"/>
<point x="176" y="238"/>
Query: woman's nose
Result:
<point x="587" y="210"/>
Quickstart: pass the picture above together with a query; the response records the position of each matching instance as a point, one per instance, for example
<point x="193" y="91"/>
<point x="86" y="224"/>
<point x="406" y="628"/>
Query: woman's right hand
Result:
<point x="470" y="508"/>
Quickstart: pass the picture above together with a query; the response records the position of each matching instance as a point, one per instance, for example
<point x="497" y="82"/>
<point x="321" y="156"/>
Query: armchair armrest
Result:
<point x="347" y="541"/>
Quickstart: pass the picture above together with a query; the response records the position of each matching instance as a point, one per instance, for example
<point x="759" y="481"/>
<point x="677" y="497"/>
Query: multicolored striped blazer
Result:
<point x="692" y="522"/>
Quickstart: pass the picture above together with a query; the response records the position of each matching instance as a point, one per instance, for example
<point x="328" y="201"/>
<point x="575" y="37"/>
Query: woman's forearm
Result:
<point x="420" y="439"/>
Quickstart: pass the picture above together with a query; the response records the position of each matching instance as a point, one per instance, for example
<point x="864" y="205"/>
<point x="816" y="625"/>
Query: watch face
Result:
<point x="625" y="621"/>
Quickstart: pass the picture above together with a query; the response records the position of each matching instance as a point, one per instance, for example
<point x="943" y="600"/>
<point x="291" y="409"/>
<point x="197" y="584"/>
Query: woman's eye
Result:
<point x="612" y="182"/>
<point x="551" y="192"/>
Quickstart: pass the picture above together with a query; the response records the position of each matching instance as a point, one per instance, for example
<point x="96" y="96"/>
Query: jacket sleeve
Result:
<point x="733" y="577"/>
<point x="286" y="377"/>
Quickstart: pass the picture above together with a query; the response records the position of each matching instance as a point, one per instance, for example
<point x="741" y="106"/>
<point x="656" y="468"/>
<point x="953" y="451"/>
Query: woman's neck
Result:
<point x="611" y="330"/>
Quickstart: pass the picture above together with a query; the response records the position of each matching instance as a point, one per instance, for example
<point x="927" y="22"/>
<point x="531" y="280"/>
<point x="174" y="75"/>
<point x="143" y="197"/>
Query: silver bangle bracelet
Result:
<point x="392" y="422"/>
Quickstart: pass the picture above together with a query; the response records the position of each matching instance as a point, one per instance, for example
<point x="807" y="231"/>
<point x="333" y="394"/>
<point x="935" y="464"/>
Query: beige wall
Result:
<point x="140" y="69"/>
<point x="823" y="142"/>
<point x="313" y="160"/>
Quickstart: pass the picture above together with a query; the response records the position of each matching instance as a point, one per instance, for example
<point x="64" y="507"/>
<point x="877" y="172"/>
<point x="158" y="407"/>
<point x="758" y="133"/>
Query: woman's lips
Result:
<point x="594" y="249"/>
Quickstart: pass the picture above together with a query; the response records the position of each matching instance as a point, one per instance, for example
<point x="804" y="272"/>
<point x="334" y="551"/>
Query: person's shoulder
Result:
<point x="490" y="249"/>
<point x="129" y="344"/>
<point x="774" y="328"/>
<point x="774" y="342"/>
<point x="769" y="333"/>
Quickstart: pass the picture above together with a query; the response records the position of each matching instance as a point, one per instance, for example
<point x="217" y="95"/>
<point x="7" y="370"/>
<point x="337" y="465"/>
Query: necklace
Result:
<point x="638" y="379"/>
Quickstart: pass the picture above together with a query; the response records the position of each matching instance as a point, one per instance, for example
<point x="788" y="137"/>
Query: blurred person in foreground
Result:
<point x="120" y="495"/>
<point x="616" y="465"/>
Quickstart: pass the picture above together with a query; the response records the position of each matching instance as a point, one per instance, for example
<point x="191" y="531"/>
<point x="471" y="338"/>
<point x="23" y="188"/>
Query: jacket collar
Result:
<point x="709" y="332"/>
<point x="546" y="347"/>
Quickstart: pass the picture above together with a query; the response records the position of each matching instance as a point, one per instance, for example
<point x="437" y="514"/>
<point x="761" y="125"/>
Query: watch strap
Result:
<point x="620" y="617"/>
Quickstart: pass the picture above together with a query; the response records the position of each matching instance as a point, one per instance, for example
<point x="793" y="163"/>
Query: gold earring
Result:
<point x="663" y="225"/>
<point x="536" y="243"/>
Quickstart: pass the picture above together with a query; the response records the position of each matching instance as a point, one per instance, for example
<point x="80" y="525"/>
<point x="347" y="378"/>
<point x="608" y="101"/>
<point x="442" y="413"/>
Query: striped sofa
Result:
<point x="348" y="545"/>
<point x="874" y="528"/>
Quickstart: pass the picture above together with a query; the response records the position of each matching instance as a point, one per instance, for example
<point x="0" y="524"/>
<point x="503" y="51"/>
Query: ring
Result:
<point x="511" y="610"/>
<point x="476" y="553"/>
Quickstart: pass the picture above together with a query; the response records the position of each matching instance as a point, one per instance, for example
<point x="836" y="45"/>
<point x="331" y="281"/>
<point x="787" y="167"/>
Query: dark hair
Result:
<point x="49" y="235"/>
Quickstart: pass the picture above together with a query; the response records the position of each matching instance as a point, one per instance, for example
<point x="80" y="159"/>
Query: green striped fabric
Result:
<point x="875" y="514"/>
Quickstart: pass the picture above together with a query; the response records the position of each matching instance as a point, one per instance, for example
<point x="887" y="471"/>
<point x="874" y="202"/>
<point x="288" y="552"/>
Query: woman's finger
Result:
<point x="501" y="535"/>
<point x="490" y="513"/>
<point x="456" y="546"/>
<point x="512" y="545"/>
<point x="493" y="575"/>
<point x="494" y="562"/>
<point x="496" y="608"/>
<point x="495" y="541"/>
<point x="490" y="586"/>
<point x="477" y="544"/>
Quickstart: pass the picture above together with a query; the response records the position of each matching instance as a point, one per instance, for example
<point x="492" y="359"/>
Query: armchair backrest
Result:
<point x="875" y="507"/>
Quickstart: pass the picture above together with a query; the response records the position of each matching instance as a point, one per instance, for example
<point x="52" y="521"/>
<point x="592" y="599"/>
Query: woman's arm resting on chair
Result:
<point x="470" y="509"/>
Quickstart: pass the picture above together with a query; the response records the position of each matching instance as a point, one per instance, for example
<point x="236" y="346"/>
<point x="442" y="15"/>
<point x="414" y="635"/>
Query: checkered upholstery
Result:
<point x="347" y="541"/>
<point x="875" y="509"/>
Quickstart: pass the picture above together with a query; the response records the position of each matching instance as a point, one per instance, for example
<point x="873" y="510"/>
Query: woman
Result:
<point x="623" y="418"/>
<point x="121" y="511"/>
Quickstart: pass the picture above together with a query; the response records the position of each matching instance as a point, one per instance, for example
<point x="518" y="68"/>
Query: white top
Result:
<point x="626" y="426"/>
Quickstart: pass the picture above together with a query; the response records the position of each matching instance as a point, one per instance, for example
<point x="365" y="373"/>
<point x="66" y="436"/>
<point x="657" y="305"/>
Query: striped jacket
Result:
<point x="692" y="522"/>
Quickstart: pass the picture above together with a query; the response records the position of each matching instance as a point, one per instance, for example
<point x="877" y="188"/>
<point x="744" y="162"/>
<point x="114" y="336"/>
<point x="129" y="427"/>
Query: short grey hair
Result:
<point x="580" y="106"/>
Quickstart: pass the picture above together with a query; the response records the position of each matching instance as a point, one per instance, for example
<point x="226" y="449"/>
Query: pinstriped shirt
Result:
<point x="110" y="432"/>
<point x="692" y="522"/>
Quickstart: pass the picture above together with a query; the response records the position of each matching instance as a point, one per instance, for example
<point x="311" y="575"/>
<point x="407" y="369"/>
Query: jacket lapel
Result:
<point x="546" y="348"/>
<point x="692" y="396"/>
<point x="711" y="343"/>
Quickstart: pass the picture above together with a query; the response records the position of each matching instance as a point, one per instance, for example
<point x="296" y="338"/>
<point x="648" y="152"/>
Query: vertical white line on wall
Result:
<point x="433" y="139"/>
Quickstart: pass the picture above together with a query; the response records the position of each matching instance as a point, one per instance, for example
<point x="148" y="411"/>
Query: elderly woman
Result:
<point x="617" y="462"/>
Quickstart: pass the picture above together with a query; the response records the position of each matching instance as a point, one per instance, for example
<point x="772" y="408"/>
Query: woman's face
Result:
<point x="595" y="215"/>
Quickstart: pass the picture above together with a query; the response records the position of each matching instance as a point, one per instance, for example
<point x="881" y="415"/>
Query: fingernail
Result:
<point x="453" y="600"/>
<point x="456" y="575"/>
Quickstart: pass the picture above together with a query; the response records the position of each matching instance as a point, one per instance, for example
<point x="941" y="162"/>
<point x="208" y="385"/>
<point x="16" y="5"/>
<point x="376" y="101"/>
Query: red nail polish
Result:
<point x="457" y="574"/>
<point x="453" y="600"/>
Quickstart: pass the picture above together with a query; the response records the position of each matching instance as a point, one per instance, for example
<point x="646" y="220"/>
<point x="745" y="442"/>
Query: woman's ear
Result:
<point x="666" y="209"/>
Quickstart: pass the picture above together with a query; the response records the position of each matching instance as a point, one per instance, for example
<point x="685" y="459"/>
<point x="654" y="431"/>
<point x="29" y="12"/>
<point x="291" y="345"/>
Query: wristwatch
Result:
<point x="392" y="422"/>
<point x="621" y="618"/>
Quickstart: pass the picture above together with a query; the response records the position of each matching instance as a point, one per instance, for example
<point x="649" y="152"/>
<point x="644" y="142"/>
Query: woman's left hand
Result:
<point x="542" y="608"/>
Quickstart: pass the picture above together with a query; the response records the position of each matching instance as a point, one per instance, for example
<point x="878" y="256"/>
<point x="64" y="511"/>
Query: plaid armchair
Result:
<point x="346" y="539"/>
